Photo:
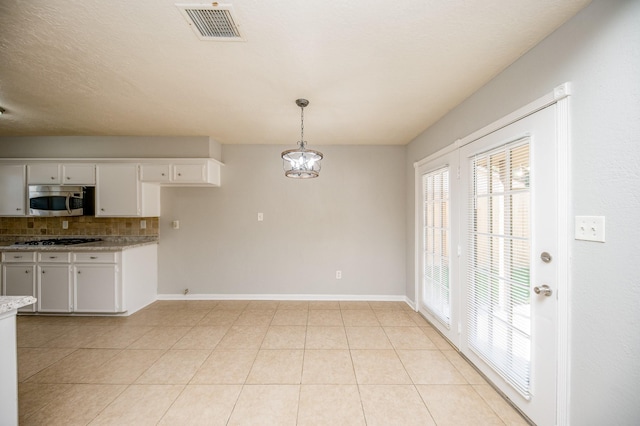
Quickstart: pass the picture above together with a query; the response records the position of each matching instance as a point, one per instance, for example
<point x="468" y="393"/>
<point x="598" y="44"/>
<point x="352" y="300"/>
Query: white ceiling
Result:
<point x="375" y="72"/>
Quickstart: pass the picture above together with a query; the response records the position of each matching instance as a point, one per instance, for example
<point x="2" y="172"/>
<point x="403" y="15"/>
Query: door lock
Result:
<point x="543" y="289"/>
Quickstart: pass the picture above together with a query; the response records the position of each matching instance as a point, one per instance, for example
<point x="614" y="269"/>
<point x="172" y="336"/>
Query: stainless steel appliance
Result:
<point x="47" y="200"/>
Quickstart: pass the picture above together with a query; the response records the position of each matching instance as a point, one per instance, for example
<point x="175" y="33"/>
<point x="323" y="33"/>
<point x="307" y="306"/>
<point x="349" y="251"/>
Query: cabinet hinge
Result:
<point x="458" y="172"/>
<point x="459" y="251"/>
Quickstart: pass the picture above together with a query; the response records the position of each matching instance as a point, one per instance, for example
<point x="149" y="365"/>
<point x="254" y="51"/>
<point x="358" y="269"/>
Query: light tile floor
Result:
<point x="250" y="363"/>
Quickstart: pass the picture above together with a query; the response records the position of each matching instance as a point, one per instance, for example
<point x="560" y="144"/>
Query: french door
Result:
<point x="488" y="266"/>
<point x="509" y="205"/>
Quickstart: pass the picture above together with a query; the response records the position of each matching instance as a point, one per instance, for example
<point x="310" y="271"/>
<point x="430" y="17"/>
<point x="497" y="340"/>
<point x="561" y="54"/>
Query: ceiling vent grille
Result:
<point x="212" y="22"/>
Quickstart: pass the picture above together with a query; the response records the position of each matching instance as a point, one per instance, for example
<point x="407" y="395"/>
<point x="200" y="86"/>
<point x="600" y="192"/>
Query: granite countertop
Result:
<point x="8" y="303"/>
<point x="106" y="245"/>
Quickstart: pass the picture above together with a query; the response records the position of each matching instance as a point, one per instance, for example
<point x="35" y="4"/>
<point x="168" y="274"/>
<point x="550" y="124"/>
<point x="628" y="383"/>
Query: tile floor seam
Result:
<point x="425" y="404"/>
<point x="184" y="387"/>
<point x="235" y="403"/>
<point x="105" y="407"/>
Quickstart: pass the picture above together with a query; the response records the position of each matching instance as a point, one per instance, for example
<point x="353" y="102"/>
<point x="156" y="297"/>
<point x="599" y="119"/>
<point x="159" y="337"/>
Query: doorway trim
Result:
<point x="559" y="96"/>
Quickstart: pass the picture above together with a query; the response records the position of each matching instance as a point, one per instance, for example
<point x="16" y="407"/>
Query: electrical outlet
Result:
<point x="143" y="224"/>
<point x="260" y="217"/>
<point x="338" y="275"/>
<point x="65" y="224"/>
<point x="175" y="224"/>
<point x="590" y="228"/>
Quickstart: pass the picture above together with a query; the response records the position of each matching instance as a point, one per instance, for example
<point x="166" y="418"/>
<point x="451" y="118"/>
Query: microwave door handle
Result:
<point x="67" y="203"/>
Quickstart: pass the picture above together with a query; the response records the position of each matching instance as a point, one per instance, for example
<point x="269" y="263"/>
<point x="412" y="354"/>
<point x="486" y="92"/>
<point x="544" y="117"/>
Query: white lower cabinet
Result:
<point x="97" y="289"/>
<point x="19" y="280"/>
<point x="113" y="282"/>
<point x="54" y="288"/>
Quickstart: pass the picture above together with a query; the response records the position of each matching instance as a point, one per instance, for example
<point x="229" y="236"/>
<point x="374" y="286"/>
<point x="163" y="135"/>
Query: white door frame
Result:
<point x="559" y="96"/>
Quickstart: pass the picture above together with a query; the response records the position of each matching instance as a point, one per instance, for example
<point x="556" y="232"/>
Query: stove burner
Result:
<point x="59" y="242"/>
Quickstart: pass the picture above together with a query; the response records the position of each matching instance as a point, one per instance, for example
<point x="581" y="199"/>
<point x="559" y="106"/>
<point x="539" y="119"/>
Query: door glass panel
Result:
<point x="435" y="251"/>
<point x="498" y="277"/>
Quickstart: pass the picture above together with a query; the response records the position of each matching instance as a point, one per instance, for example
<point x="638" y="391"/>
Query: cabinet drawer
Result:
<point x="18" y="256"/>
<point x="54" y="257"/>
<point x="98" y="257"/>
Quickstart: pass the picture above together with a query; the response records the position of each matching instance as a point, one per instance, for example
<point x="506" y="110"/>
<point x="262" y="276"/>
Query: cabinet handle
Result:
<point x="26" y="272"/>
<point x="18" y="209"/>
<point x="53" y="257"/>
<point x="78" y="272"/>
<point x="17" y="257"/>
<point x="43" y="271"/>
<point x="101" y="210"/>
<point x="68" y="178"/>
<point x="93" y="257"/>
<point x="162" y="174"/>
<point x="179" y="174"/>
<point x="53" y="178"/>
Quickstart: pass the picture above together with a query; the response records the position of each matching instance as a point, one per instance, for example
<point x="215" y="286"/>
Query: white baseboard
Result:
<point x="309" y="297"/>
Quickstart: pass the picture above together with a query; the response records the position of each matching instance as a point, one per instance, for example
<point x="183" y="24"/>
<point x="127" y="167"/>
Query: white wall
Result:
<point x="598" y="51"/>
<point x="351" y="219"/>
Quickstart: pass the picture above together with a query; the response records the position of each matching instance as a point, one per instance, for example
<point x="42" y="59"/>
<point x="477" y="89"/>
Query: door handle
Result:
<point x="543" y="289"/>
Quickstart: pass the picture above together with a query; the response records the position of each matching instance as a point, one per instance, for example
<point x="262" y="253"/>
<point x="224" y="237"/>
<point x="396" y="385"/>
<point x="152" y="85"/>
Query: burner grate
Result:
<point x="58" y="242"/>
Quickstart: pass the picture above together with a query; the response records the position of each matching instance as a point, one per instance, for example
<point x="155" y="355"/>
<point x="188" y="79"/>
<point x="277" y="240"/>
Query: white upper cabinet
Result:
<point x="120" y="193"/>
<point x="12" y="190"/>
<point x="155" y="173"/>
<point x="185" y="172"/>
<point x="43" y="174"/>
<point x="79" y="174"/>
<point x="61" y="174"/>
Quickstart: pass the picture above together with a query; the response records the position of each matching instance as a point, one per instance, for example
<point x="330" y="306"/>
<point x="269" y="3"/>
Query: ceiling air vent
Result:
<point x="212" y="22"/>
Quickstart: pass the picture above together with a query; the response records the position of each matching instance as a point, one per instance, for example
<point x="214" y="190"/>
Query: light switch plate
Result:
<point x="590" y="228"/>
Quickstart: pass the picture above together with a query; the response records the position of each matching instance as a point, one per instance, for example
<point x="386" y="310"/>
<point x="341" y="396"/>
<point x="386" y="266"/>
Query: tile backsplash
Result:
<point x="78" y="225"/>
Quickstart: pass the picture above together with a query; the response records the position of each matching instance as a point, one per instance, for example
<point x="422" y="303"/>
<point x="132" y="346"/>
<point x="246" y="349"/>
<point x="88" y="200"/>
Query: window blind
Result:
<point x="436" y="296"/>
<point x="498" y="265"/>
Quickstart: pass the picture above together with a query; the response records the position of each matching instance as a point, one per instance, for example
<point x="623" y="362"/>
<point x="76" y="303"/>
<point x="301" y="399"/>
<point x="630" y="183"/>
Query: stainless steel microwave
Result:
<point x="47" y="200"/>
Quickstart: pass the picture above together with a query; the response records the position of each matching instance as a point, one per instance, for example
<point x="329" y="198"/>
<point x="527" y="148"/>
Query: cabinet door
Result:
<point x="43" y="174"/>
<point x="19" y="280"/>
<point x="54" y="288"/>
<point x="97" y="289"/>
<point x="189" y="173"/>
<point x="79" y="174"/>
<point x="154" y="173"/>
<point x="13" y="190"/>
<point x="117" y="190"/>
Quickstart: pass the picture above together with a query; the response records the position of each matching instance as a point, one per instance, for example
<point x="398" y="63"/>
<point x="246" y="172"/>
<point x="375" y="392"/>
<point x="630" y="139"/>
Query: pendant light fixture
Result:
<point x="301" y="163"/>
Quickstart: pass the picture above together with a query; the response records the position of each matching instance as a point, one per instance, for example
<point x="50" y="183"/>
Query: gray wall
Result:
<point x="351" y="219"/>
<point x="108" y="147"/>
<point x="598" y="51"/>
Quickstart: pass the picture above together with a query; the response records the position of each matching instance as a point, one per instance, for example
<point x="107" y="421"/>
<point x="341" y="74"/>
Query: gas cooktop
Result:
<point x="57" y="242"/>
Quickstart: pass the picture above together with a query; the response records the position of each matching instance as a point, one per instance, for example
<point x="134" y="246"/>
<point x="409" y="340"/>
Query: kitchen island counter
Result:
<point x="8" y="354"/>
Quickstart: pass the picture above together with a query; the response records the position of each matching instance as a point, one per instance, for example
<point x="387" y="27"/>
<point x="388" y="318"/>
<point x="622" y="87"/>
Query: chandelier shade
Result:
<point x="301" y="163"/>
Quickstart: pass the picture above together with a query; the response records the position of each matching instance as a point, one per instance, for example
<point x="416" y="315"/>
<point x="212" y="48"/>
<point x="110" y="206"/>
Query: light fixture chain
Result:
<point x="302" y="127"/>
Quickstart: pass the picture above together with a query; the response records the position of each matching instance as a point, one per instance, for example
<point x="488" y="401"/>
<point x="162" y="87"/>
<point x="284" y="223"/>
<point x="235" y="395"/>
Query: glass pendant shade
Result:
<point x="301" y="163"/>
